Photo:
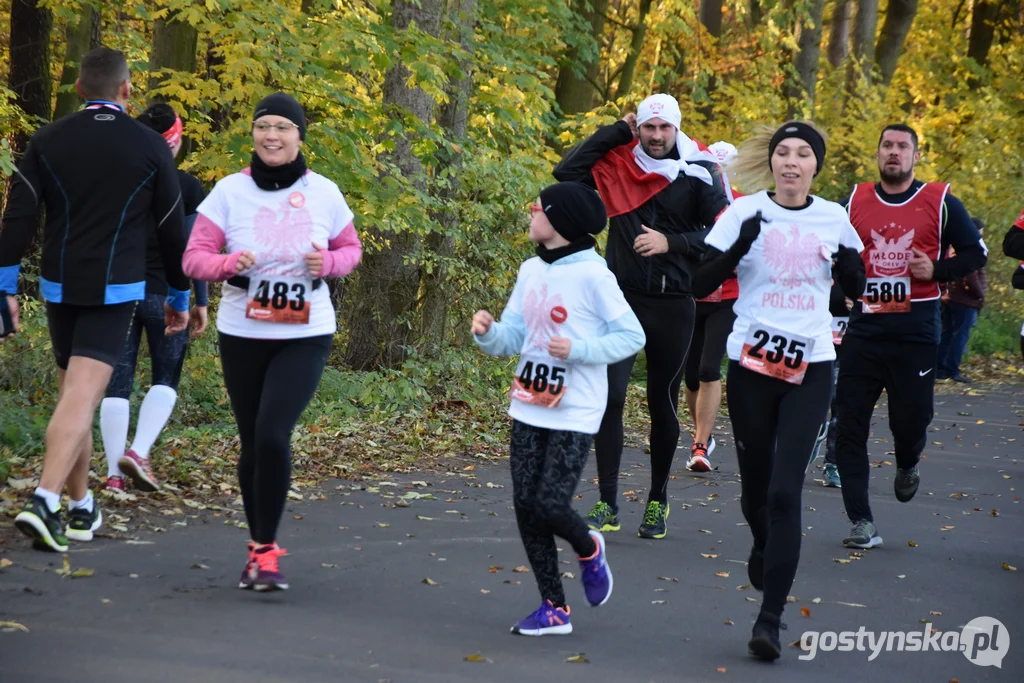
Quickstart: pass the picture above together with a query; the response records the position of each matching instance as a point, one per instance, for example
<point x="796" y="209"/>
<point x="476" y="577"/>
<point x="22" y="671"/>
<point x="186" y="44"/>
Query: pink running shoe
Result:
<point x="138" y="469"/>
<point x="265" y="573"/>
<point x="114" y="483"/>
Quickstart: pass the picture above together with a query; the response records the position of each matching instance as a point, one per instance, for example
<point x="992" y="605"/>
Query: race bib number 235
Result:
<point x="278" y="300"/>
<point x="776" y="353"/>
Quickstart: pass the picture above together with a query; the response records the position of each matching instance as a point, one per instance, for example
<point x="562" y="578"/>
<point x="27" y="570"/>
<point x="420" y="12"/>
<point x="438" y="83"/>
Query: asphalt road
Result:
<point x="164" y="607"/>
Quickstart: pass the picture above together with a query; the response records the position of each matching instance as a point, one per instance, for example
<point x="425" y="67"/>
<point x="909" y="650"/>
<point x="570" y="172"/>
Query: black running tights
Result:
<point x="775" y="425"/>
<point x="546" y="467"/>
<point x="668" y="324"/>
<point x="269" y="382"/>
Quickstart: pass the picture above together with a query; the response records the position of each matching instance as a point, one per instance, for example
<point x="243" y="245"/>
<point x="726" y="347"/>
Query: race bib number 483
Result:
<point x="540" y="382"/>
<point x="278" y="300"/>
<point x="776" y="353"/>
<point x="887" y="295"/>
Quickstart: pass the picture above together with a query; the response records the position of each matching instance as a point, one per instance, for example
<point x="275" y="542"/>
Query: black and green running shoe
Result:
<point x="45" y="528"/>
<point x="82" y="522"/>
<point x="655" y="520"/>
<point x="602" y="518"/>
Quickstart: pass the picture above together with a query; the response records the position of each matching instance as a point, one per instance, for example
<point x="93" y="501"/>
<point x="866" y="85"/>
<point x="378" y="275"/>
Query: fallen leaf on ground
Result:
<point x="705" y="531"/>
<point x="577" y="659"/>
<point x="841" y="560"/>
<point x="724" y="575"/>
<point x="994" y="513"/>
<point x="484" y="591"/>
<point x="948" y="527"/>
<point x="750" y="599"/>
<point x="325" y="565"/>
<point x="430" y="582"/>
<point x="82" y="573"/>
<point x="708" y="556"/>
<point x="657" y="602"/>
<point x="495" y="570"/>
<point x="816" y="601"/>
<point x="851" y="604"/>
<point x="720" y="669"/>
<point x="425" y="519"/>
<point x="476" y="658"/>
<point x="1009" y="567"/>
<point x="568" y="575"/>
<point x="805" y="611"/>
<point x="199" y="566"/>
<point x="521" y="569"/>
<point x="13" y="624"/>
<point x="911" y="544"/>
<point x="729" y="622"/>
<point x="901" y="576"/>
<point x="383" y="525"/>
<point x="936" y="614"/>
<point x="5" y="563"/>
<point x="667" y="578"/>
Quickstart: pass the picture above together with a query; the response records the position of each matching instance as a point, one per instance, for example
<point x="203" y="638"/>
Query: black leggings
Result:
<point x="774" y="426"/>
<point x="167" y="354"/>
<point x="711" y="329"/>
<point x="270" y="382"/>
<point x="546" y="467"/>
<point x="668" y="324"/>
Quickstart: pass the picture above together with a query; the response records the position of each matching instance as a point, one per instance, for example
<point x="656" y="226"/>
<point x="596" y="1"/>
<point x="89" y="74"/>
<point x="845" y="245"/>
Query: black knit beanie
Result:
<point x="796" y="129"/>
<point x="573" y="209"/>
<point x="281" y="104"/>
<point x="159" y="116"/>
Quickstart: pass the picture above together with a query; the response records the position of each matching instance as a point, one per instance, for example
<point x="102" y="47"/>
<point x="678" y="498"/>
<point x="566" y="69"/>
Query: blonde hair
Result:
<point x="749" y="170"/>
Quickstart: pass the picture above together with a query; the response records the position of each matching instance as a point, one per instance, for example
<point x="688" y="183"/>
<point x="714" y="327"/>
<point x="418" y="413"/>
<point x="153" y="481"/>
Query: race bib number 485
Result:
<point x="540" y="382"/>
<point x="887" y="295"/>
<point x="776" y="353"/>
<point x="278" y="300"/>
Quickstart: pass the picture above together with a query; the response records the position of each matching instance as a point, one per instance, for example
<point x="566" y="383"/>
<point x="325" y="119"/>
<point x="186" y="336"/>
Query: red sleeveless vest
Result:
<point x="890" y="231"/>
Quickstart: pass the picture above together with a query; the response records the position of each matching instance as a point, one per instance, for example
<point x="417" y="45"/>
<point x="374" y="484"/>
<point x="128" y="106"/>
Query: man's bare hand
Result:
<point x="560" y="347"/>
<point x="176" y="321"/>
<point x="630" y="119"/>
<point x="651" y="242"/>
<point x="482" y="322"/>
<point x="921" y="267"/>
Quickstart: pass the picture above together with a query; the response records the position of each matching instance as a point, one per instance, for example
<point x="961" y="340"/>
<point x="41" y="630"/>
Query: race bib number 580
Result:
<point x="776" y="353"/>
<point x="540" y="383"/>
<point x="887" y="295"/>
<point x="278" y="300"/>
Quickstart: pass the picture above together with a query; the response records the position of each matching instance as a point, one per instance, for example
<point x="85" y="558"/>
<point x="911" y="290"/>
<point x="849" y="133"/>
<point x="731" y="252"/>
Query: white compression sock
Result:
<point x="153" y="415"/>
<point x="86" y="502"/>
<point x="115" y="414"/>
<point x="52" y="499"/>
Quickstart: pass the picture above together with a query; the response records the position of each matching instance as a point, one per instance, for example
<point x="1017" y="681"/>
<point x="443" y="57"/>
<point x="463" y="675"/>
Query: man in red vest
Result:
<point x="893" y="335"/>
<point x="662" y="192"/>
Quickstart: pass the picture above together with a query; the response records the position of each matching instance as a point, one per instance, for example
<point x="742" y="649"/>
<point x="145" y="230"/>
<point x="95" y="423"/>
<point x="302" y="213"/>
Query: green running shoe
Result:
<point x="655" y="520"/>
<point x="602" y="518"/>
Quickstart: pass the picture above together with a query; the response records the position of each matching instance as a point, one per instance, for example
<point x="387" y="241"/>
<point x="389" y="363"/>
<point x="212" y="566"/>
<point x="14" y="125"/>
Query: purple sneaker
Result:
<point x="596" y="574"/>
<point x="547" y="620"/>
<point x="245" y="582"/>
<point x="264" y="571"/>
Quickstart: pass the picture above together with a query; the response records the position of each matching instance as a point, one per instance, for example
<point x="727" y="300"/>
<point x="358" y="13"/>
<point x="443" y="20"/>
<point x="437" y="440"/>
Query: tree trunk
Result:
<point x="864" y="27"/>
<point x="898" y="19"/>
<point x="81" y="38"/>
<point x="808" y="33"/>
<point x="711" y="19"/>
<point x="639" y="33"/>
<point x="839" y="35"/>
<point x="387" y="285"/>
<point x="29" y="75"/>
<point x="174" y="47"/>
<point x="451" y="117"/>
<point x="711" y="16"/>
<point x="575" y="91"/>
<point x="755" y="12"/>
<point x="219" y="114"/>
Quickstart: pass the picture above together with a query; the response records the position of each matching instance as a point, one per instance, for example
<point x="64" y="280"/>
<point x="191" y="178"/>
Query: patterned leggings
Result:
<point x="546" y="468"/>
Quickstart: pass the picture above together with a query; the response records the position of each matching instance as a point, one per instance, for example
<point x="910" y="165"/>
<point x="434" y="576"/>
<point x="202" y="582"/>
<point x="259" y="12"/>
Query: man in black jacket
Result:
<point x="662" y="193"/>
<point x="105" y="180"/>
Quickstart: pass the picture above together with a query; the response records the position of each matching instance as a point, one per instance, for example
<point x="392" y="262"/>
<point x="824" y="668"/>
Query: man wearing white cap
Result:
<point x="662" y="193"/>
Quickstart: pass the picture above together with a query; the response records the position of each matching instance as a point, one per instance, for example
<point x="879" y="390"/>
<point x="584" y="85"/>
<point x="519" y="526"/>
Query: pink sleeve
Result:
<point x="343" y="253"/>
<point x="202" y="259"/>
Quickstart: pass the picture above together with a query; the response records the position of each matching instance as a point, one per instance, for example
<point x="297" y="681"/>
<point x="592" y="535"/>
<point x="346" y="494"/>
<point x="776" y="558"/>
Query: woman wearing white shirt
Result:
<point x="276" y="320"/>
<point x="780" y="350"/>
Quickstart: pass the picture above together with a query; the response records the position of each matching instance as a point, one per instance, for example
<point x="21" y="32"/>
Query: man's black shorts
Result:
<point x="97" y="332"/>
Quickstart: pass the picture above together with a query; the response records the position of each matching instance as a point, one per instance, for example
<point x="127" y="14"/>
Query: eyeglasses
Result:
<point x="282" y="127"/>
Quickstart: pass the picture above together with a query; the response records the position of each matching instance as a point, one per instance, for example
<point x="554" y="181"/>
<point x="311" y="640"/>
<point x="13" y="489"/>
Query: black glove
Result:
<point x="849" y="272"/>
<point x="848" y="260"/>
<point x="751" y="228"/>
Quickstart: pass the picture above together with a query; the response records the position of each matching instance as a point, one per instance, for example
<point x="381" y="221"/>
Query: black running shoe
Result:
<point x="905" y="483"/>
<point x="82" y="522"/>
<point x="655" y="524"/>
<point x="45" y="528"/>
<point x="764" y="641"/>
